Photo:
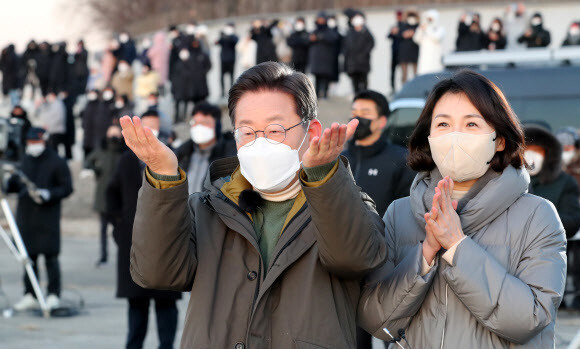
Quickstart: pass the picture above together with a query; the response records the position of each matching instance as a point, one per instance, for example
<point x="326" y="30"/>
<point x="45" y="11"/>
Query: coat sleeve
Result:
<point x="350" y="244"/>
<point x="393" y="294"/>
<point x="164" y="251"/>
<point x="569" y="207"/>
<point x="63" y="182"/>
<point x="498" y="299"/>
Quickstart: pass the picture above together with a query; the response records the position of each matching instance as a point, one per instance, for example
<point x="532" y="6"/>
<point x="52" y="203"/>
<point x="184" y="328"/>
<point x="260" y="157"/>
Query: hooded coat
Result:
<point x="189" y="80"/>
<point x="430" y="41"/>
<point x="358" y="46"/>
<point x="158" y="55"/>
<point x="322" y="53"/>
<point x="507" y="278"/>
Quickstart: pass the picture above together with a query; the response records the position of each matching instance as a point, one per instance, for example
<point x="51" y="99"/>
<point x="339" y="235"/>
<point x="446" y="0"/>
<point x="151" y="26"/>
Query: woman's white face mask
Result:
<point x="535" y="161"/>
<point x="463" y="156"/>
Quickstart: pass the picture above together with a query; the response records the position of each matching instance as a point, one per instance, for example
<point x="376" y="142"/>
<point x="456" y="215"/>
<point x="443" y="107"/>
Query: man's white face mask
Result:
<point x="567" y="156"/>
<point x="35" y="150"/>
<point x="535" y="161"/>
<point x="267" y="166"/>
<point x="201" y="134"/>
<point x="463" y="156"/>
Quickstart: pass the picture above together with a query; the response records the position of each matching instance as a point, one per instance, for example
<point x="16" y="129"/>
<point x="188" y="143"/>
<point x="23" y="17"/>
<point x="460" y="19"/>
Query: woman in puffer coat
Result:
<point x="474" y="261"/>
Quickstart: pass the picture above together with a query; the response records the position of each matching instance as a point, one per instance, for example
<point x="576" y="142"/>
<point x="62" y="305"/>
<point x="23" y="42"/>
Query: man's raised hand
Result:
<point x="326" y="148"/>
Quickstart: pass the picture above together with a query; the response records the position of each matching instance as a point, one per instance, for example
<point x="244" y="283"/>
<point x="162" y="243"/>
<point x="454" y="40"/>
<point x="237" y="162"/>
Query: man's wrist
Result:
<point x="167" y="176"/>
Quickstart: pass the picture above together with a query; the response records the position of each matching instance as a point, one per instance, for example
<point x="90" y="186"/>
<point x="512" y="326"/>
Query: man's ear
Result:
<point x="382" y="122"/>
<point x="314" y="130"/>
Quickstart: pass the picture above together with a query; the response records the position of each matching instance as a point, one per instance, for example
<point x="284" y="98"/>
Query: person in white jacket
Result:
<point x="429" y="37"/>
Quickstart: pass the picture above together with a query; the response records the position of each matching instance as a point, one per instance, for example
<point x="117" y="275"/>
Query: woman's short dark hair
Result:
<point x="488" y="99"/>
<point x="275" y="76"/>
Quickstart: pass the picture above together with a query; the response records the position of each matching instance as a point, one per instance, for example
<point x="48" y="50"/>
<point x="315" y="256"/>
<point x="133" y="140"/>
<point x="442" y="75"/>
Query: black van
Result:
<point x="551" y="94"/>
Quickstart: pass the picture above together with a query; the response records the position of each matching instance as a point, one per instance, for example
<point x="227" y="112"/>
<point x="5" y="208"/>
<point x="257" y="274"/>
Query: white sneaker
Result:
<point x="28" y="302"/>
<point x="52" y="301"/>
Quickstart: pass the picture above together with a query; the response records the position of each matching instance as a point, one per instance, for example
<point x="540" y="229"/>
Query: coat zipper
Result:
<point x="444" y="322"/>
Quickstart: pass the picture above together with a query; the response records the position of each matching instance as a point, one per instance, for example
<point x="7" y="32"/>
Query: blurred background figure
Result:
<point x="126" y="50"/>
<point x="299" y="42"/>
<point x="159" y="57"/>
<point x="205" y="145"/>
<point x="395" y="36"/>
<point x="59" y="68"/>
<point x="9" y="66"/>
<point x="573" y="35"/>
<point x="495" y="38"/>
<point x="536" y="35"/>
<point x="121" y="200"/>
<point x="103" y="163"/>
<point x="470" y="36"/>
<point x="358" y="44"/>
<point x="80" y="71"/>
<point x="122" y="80"/>
<point x="38" y="213"/>
<point x="228" y="41"/>
<point x="322" y="53"/>
<point x="516" y="22"/>
<point x="261" y="33"/>
<point x="52" y="115"/>
<point x="429" y="37"/>
<point x="408" y="48"/>
<point x="146" y="83"/>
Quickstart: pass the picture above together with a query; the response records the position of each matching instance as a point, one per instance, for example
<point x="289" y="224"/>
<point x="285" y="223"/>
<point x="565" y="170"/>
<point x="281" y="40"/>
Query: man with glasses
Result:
<point x="274" y="248"/>
<point x="207" y="144"/>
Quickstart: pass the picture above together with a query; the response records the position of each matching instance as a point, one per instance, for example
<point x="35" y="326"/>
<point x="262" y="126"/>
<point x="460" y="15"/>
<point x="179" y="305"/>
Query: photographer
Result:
<point x="38" y="212"/>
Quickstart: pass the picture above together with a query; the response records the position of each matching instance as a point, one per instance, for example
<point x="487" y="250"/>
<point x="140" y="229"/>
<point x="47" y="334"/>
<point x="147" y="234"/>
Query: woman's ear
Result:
<point x="500" y="144"/>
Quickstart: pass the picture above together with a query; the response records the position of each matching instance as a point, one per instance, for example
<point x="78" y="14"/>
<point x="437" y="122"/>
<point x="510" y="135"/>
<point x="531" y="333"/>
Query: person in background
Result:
<point x="178" y="41"/>
<point x="573" y="35"/>
<point x="19" y="115"/>
<point x="109" y="62"/>
<point x="122" y="194"/>
<point x="126" y="51"/>
<point x="395" y="37"/>
<point x="28" y="63"/>
<point x="9" y="66"/>
<point x="261" y="33"/>
<point x="495" y="38"/>
<point x="228" y="41"/>
<point x="206" y="144"/>
<point x="470" y="36"/>
<point x="43" y="66"/>
<point x="536" y="35"/>
<point x="80" y="71"/>
<point x="429" y="36"/>
<point x="545" y="156"/>
<point x="247" y="50"/>
<point x="166" y="123"/>
<point x="358" y="45"/>
<point x="322" y="53"/>
<point x="516" y="22"/>
<point x="158" y="55"/>
<point x="103" y="163"/>
<point x="299" y="42"/>
<point x="59" y="76"/>
<point x="332" y="23"/>
<point x="89" y="116"/>
<point x="52" y="115"/>
<point x="38" y="213"/>
<point x="68" y="100"/>
<point x="96" y="118"/>
<point x="408" y="48"/>
<point x="122" y="80"/>
<point x="122" y="107"/>
<point x="147" y="82"/>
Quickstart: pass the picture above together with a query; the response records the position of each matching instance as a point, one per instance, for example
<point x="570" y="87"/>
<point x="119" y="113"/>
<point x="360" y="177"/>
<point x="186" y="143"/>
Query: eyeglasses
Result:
<point x="274" y="133"/>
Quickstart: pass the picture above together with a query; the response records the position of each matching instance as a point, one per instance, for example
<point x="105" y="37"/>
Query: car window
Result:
<point x="401" y="124"/>
<point x="558" y="112"/>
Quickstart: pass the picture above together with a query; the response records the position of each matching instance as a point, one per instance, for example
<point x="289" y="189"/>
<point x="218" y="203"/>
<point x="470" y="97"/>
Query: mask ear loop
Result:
<point x="303" y="139"/>
<point x="489" y="162"/>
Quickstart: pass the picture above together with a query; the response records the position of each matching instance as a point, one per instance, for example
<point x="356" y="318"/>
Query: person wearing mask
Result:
<point x="147" y="83"/>
<point x="159" y="54"/>
<point x="178" y="41"/>
<point x="122" y="194"/>
<point x="19" y="116"/>
<point x="536" y="35"/>
<point x="544" y="154"/>
<point x="299" y="42"/>
<point x="495" y="38"/>
<point x="338" y="46"/>
<point x="206" y="144"/>
<point x="43" y="63"/>
<point x="470" y="252"/>
<point x="395" y="37"/>
<point x="429" y="36"/>
<point x="59" y="68"/>
<point x="153" y="105"/>
<point x="38" y="213"/>
<point x="80" y="71"/>
<point x="379" y="167"/>
<point x="122" y="80"/>
<point x="189" y="33"/>
<point x="516" y="22"/>
<point x="358" y="45"/>
<point x="470" y="36"/>
<point x="408" y="48"/>
<point x="228" y="41"/>
<point x="126" y="51"/>
<point x="261" y="33"/>
<point x="323" y="41"/>
<point x="69" y="140"/>
<point x="96" y="119"/>
<point x="9" y="66"/>
<point x="28" y="63"/>
<point x="52" y="115"/>
<point x="103" y="163"/>
<point x="269" y="224"/>
<point x="122" y="107"/>
<point x="573" y="35"/>
<point x="89" y="116"/>
<point x="189" y="83"/>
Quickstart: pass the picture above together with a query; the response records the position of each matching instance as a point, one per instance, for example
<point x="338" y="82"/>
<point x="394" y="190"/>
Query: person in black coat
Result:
<point x="19" y="116"/>
<point x="28" y="64"/>
<point x="299" y="42"/>
<point x="10" y="68"/>
<point x="178" y="42"/>
<point x="96" y="119"/>
<point x="395" y="37"/>
<point x="39" y="211"/>
<point x="122" y="195"/>
<point x="332" y="23"/>
<point x="206" y="144"/>
<point x="322" y="54"/>
<point x="127" y="51"/>
<point x="573" y="35"/>
<point x="408" y="48"/>
<point x="358" y="44"/>
<point x="228" y="40"/>
<point x="536" y="35"/>
<point x="549" y="181"/>
<point x="470" y="36"/>
<point x="262" y="35"/>
<point x="495" y="38"/>
<point x="189" y="79"/>
<point x="80" y="71"/>
<point x="43" y="66"/>
<point x="59" y="69"/>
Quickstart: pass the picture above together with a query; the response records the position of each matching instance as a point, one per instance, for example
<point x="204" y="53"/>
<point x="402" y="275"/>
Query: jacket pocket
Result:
<point x="307" y="345"/>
